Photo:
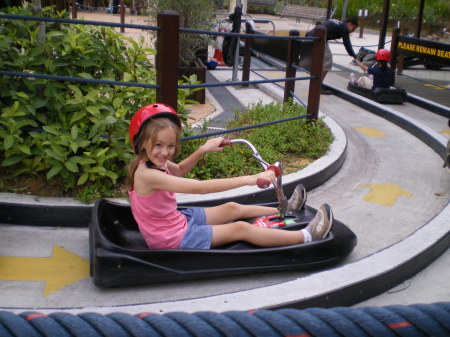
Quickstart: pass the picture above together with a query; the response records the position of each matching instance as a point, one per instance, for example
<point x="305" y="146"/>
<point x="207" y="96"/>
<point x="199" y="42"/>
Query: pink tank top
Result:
<point x="159" y="221"/>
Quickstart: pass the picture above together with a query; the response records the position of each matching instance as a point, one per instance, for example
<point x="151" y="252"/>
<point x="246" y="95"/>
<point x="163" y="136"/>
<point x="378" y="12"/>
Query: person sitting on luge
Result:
<point x="155" y="178"/>
<point x="379" y="76"/>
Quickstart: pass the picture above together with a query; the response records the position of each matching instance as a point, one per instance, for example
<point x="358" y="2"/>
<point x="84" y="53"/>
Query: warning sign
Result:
<point x="429" y="50"/>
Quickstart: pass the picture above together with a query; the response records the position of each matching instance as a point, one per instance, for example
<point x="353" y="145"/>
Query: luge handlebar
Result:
<point x="264" y="183"/>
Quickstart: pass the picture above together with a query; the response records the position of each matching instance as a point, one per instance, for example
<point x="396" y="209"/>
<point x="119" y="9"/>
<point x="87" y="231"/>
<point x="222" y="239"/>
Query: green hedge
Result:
<point x="72" y="131"/>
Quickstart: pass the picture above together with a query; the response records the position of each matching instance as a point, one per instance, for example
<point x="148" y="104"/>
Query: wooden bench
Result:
<point x="304" y="12"/>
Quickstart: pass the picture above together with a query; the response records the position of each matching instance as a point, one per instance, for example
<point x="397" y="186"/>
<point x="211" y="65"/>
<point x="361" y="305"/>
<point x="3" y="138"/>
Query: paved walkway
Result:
<point x="392" y="191"/>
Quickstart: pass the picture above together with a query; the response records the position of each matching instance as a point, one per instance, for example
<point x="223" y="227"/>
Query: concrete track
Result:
<point x="391" y="191"/>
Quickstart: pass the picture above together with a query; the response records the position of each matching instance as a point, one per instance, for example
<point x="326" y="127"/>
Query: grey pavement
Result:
<point x="391" y="191"/>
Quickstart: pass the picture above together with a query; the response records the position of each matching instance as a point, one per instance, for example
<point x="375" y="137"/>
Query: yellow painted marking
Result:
<point x="434" y="86"/>
<point x="58" y="271"/>
<point x="445" y="132"/>
<point x="371" y="132"/>
<point x="385" y="194"/>
<point x="273" y="74"/>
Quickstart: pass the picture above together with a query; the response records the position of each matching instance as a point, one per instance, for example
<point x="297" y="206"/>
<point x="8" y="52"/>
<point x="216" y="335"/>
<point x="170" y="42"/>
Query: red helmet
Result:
<point x="383" y="55"/>
<point x="147" y="113"/>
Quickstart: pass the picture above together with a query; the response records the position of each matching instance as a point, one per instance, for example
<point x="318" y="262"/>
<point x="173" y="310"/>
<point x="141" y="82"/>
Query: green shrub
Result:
<point x="286" y="142"/>
<point x="76" y="134"/>
<point x="63" y="129"/>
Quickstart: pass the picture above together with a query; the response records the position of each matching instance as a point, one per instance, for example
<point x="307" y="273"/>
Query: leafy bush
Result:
<point x="73" y="131"/>
<point x="75" y="134"/>
<point x="286" y="142"/>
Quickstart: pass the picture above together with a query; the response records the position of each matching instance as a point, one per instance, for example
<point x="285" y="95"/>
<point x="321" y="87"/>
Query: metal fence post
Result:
<point x="292" y="58"/>
<point x="167" y="58"/>
<point x="247" y="56"/>
<point x="318" y="50"/>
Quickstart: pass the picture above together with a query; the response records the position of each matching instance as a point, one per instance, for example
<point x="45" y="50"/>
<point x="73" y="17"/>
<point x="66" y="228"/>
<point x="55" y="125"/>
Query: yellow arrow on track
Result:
<point x="60" y="270"/>
<point x="371" y="132"/>
<point x="385" y="194"/>
<point x="437" y="87"/>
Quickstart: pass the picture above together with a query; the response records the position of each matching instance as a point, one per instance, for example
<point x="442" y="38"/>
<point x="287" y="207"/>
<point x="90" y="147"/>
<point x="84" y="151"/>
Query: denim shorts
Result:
<point x="198" y="234"/>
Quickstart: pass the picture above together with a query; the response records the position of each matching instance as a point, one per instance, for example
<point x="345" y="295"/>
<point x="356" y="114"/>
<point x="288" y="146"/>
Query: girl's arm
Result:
<point x="180" y="169"/>
<point x="147" y="181"/>
<point x="361" y="65"/>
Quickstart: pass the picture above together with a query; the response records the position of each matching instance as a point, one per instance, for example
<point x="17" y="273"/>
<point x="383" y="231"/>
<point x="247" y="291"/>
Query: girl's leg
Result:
<point x="263" y="237"/>
<point x="317" y="229"/>
<point x="365" y="82"/>
<point x="232" y="211"/>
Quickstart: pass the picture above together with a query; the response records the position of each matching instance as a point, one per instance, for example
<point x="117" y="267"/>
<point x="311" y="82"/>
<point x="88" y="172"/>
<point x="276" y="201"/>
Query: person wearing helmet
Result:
<point x="378" y="76"/>
<point x="155" y="177"/>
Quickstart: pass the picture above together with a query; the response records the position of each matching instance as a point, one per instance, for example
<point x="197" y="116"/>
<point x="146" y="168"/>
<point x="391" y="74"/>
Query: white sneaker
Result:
<point x="352" y="78"/>
<point x="297" y="199"/>
<point x="321" y="224"/>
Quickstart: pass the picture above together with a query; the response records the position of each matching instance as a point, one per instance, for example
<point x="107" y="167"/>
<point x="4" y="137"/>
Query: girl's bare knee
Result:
<point x="231" y="232"/>
<point x="232" y="206"/>
<point x="234" y="209"/>
<point x="242" y="227"/>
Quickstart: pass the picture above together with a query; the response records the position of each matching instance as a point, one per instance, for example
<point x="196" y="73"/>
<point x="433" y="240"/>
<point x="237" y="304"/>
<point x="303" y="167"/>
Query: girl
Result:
<point x="380" y="75"/>
<point x="155" y="178"/>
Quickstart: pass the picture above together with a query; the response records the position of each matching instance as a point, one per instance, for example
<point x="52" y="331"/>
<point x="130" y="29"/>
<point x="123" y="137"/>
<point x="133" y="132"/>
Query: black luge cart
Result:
<point x="120" y="256"/>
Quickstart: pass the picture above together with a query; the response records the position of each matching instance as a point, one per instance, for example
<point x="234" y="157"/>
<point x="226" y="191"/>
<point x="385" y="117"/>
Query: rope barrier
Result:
<point x="146" y="27"/>
<point x="143" y="85"/>
<point x="243" y="128"/>
<point x="374" y="45"/>
<point x="221" y="84"/>
<point x="90" y="8"/>
<point x="211" y="134"/>
<point x="77" y="22"/>
<point x="76" y="79"/>
<point x="135" y="84"/>
<point x="255" y="36"/>
<point x="389" y="321"/>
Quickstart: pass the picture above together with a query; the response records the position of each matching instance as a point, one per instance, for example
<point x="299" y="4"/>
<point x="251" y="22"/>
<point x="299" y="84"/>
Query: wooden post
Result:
<point x="74" y="9"/>
<point x="167" y="58"/>
<point x="329" y="9"/>
<point x="401" y="58"/>
<point x="419" y="19"/>
<point x="292" y="58"/>
<point x="394" y="54"/>
<point x="384" y="20"/>
<point x="247" y="55"/>
<point x="132" y="10"/>
<point x="122" y="15"/>
<point x="318" y="50"/>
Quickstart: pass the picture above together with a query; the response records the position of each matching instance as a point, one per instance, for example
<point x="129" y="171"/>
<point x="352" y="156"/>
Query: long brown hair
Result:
<point x="148" y="133"/>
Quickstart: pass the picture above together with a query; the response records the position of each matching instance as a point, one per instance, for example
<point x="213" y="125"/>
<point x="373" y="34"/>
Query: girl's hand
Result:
<point x="268" y="175"/>
<point x="213" y="145"/>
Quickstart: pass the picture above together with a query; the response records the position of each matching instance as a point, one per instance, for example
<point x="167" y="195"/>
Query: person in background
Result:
<point x="335" y="30"/>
